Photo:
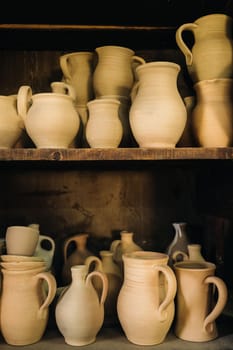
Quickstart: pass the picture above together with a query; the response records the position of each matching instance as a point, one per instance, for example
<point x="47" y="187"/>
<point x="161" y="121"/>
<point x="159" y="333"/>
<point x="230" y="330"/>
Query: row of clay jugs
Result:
<point x="145" y="303"/>
<point x="77" y="256"/>
<point x="11" y="124"/>
<point x="50" y="118"/>
<point x="106" y="265"/>
<point x="125" y="244"/>
<point x="157" y="115"/>
<point x="24" y="303"/>
<point x="79" y="311"/>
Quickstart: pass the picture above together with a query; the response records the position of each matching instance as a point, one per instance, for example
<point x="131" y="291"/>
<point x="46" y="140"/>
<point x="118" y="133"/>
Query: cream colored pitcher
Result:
<point x="211" y="55"/>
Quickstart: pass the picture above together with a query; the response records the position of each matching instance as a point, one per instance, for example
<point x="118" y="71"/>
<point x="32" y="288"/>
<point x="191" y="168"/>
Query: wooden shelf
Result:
<point x="116" y="154"/>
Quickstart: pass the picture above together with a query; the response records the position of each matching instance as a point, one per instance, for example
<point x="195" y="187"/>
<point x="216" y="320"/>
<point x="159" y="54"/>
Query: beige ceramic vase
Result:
<point x="106" y="265"/>
<point x="157" y="115"/>
<point x="79" y="311"/>
<point x="51" y="120"/>
<point x="104" y="128"/>
<point x="77" y="69"/>
<point x="114" y="71"/>
<point x="146" y="300"/>
<point x="78" y="255"/>
<point x="196" y="307"/>
<point x="212" y="116"/>
<point x="211" y="56"/>
<point x="24" y="305"/>
<point x="11" y="124"/>
<point x="125" y="244"/>
<point x="194" y="253"/>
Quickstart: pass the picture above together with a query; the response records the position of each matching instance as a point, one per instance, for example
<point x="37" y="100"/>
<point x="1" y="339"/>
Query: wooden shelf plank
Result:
<point x="116" y="154"/>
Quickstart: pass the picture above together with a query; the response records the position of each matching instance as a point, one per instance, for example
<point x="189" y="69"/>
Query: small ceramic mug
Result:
<point x="21" y="240"/>
<point x="196" y="308"/>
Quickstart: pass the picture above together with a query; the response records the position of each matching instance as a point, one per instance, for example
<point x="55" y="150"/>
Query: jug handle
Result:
<point x="94" y="259"/>
<point x="114" y="245"/>
<point x="181" y="44"/>
<point x="221" y="302"/>
<point x="24" y="100"/>
<point x="49" y="239"/>
<point x="171" y="290"/>
<point x="177" y="253"/>
<point x="52" y="288"/>
<point x="134" y="90"/>
<point x="104" y="279"/>
<point x="67" y="242"/>
<point x="66" y="89"/>
<point x="64" y="67"/>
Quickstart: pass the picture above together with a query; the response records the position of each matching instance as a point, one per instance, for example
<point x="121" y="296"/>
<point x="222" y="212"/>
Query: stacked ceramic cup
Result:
<point x="210" y="65"/>
<point x="113" y="78"/>
<point x="24" y="299"/>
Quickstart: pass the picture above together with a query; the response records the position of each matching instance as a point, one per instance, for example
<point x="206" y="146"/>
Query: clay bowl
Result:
<point x="19" y="258"/>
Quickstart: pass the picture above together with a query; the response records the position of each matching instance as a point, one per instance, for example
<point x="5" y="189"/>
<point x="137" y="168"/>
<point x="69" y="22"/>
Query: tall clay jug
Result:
<point x="146" y="300"/>
<point x="51" y="120"/>
<point x="77" y="69"/>
<point x="211" y="56"/>
<point x="196" y="306"/>
<point x="124" y="245"/>
<point x="79" y="312"/>
<point x="24" y="305"/>
<point x="212" y="119"/>
<point x="106" y="265"/>
<point x="114" y="71"/>
<point x="76" y="257"/>
<point x="157" y="114"/>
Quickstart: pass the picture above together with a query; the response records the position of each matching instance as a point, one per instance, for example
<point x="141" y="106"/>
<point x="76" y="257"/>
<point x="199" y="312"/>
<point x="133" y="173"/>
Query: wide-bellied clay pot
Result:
<point x="51" y="120"/>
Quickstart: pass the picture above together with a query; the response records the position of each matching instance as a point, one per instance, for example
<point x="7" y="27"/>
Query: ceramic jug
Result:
<point x="145" y="303"/>
<point x="104" y="128"/>
<point x="211" y="56"/>
<point x="106" y="265"/>
<point x="179" y="242"/>
<point x="212" y="120"/>
<point x="118" y="63"/>
<point x="11" y="124"/>
<point x="77" y="69"/>
<point x="79" y="311"/>
<point x="196" y="307"/>
<point x="157" y="115"/>
<point x="76" y="256"/>
<point x="194" y="253"/>
<point x="125" y="244"/>
<point x="24" y="305"/>
<point x="45" y="248"/>
<point x="51" y="119"/>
